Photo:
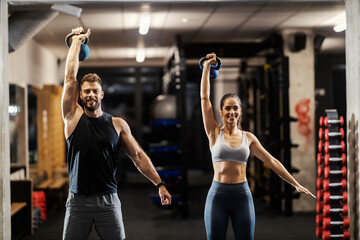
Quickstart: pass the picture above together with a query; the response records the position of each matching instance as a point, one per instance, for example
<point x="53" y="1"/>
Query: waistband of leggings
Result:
<point x="231" y="188"/>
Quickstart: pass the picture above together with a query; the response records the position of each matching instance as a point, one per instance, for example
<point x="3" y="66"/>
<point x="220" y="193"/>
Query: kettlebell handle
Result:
<point x="84" y="48"/>
<point x="217" y="66"/>
<point x="68" y="39"/>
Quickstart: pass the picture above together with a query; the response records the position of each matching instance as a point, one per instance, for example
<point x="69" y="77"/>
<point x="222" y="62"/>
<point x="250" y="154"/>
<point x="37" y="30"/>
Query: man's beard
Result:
<point x="91" y="109"/>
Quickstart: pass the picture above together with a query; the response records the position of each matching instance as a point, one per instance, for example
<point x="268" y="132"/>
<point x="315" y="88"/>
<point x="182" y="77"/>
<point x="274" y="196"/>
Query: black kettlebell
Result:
<point x="84" y="50"/>
<point x="214" y="70"/>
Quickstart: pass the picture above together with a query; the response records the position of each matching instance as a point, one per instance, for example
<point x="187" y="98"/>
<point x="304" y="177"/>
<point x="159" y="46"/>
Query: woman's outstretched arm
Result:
<point x="259" y="151"/>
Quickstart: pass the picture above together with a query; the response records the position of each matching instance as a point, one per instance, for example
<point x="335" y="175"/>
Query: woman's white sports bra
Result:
<point x="221" y="151"/>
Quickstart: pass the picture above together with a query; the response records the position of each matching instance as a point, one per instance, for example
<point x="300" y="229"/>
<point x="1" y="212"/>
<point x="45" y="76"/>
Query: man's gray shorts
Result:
<point x="104" y="211"/>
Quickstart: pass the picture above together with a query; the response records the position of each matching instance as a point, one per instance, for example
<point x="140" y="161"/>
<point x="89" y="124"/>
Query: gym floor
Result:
<point x="145" y="221"/>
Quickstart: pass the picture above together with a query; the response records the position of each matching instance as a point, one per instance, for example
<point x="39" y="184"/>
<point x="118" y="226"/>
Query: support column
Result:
<point x="353" y="110"/>
<point x="5" y="226"/>
<point x="299" y="47"/>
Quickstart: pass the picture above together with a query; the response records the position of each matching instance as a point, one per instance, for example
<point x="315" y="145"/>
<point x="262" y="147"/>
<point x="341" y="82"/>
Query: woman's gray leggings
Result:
<point x="229" y="201"/>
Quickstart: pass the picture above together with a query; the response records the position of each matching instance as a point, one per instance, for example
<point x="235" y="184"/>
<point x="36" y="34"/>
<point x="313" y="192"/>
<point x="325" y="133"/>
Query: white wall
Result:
<point x="353" y="111"/>
<point x="302" y="106"/>
<point x="33" y="64"/>
<point x="5" y="216"/>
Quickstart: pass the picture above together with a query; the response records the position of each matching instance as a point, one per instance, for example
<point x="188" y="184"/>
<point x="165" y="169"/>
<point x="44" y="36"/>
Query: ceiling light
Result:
<point x="144" y="24"/>
<point x="340" y="27"/>
<point x="145" y="7"/>
<point x="184" y="20"/>
<point x="68" y="9"/>
<point x="140" y="56"/>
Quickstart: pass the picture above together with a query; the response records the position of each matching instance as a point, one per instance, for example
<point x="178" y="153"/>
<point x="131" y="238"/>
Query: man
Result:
<point x="93" y="140"/>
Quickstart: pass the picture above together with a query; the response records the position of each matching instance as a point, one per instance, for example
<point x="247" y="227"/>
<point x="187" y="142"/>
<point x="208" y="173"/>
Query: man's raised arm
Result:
<point x="71" y="89"/>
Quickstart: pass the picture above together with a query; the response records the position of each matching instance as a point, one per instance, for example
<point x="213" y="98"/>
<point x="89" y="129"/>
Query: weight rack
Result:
<point x="332" y="220"/>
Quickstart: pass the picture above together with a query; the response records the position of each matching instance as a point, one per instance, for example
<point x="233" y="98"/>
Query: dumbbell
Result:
<point x="329" y="147"/>
<point x="320" y="146"/>
<point x="319" y="158"/>
<point x="320" y="171"/>
<point x="328" y="172"/>
<point x="319" y="220"/>
<point x="319" y="194"/>
<point x="328" y="197"/>
<point x="326" y="235"/>
<point x="327" y="210"/>
<point x="329" y="159"/>
<point x="319" y="231"/>
<point x="319" y="183"/>
<point x="321" y="121"/>
<point x="319" y="207"/>
<point x="328" y="121"/>
<point x="321" y="133"/>
<point x="329" y="134"/>
<point x="327" y="184"/>
<point x="327" y="223"/>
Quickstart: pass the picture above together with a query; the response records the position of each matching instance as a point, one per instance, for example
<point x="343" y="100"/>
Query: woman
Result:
<point x="229" y="195"/>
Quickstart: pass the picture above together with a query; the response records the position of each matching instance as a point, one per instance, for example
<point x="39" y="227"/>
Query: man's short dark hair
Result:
<point x="91" y="77"/>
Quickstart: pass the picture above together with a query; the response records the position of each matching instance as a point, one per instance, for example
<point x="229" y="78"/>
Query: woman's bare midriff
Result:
<point x="229" y="172"/>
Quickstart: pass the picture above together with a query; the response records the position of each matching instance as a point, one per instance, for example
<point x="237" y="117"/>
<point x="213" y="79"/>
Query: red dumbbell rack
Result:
<point x="332" y="220"/>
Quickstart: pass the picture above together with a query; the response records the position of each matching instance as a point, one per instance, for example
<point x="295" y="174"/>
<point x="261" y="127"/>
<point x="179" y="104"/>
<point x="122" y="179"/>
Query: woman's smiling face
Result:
<point x="231" y="110"/>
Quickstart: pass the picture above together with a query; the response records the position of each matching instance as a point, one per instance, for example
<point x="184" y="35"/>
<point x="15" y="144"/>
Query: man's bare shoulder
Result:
<point x="119" y="120"/>
<point x="120" y="124"/>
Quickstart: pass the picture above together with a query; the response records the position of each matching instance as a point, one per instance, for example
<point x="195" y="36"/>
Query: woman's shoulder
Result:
<point x="250" y="136"/>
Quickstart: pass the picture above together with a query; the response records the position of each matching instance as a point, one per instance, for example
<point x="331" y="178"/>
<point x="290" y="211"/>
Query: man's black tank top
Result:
<point x="92" y="150"/>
